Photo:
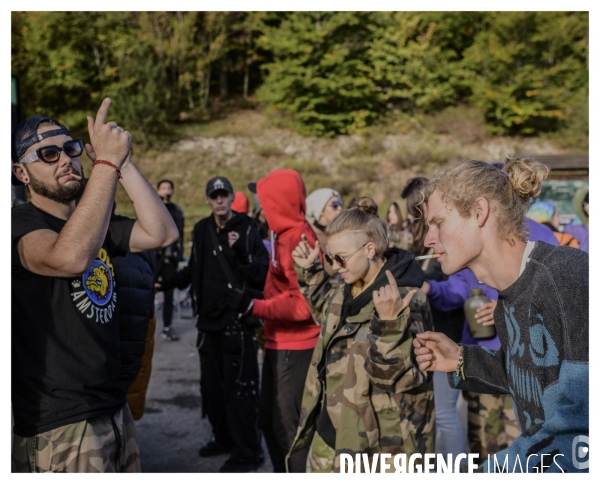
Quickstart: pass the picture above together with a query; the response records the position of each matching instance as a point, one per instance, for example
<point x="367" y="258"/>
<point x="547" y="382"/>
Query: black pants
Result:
<point x="229" y="386"/>
<point x="283" y="377"/>
<point x="165" y="270"/>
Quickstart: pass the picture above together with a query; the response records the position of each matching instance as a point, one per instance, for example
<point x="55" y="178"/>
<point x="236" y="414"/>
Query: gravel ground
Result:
<point x="172" y="429"/>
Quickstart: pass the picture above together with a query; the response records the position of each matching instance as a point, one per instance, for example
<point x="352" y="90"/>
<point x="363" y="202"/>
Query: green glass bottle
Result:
<point x="470" y="307"/>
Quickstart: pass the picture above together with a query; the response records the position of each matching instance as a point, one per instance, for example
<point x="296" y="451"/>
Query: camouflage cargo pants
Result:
<point x="492" y="423"/>
<point x="104" y="444"/>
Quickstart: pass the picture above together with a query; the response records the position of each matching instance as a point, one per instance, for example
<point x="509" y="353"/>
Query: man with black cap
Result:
<point x="227" y="268"/>
<point x="69" y="407"/>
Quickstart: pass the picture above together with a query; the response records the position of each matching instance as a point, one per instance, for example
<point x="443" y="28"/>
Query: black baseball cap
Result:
<point x="252" y="187"/>
<point x="218" y="183"/>
<point x="25" y="135"/>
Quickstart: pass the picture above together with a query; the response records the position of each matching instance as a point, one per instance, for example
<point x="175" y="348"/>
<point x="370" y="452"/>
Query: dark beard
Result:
<point x="59" y="194"/>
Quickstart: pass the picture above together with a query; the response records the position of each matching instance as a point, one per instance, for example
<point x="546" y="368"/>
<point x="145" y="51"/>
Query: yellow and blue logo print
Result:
<point x="94" y="293"/>
<point x="98" y="283"/>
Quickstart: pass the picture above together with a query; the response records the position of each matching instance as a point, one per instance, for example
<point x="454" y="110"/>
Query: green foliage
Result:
<point x="415" y="62"/>
<point x="525" y="68"/>
<point x="341" y="72"/>
<point x="575" y="134"/>
<point x="153" y="65"/>
<point x="321" y="73"/>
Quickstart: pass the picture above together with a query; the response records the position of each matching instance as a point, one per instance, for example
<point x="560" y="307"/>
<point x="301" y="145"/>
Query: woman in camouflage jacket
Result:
<point x="363" y="369"/>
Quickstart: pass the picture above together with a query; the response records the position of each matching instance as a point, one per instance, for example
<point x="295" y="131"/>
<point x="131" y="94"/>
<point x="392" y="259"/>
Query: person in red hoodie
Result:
<point x="291" y="334"/>
<point x="240" y="203"/>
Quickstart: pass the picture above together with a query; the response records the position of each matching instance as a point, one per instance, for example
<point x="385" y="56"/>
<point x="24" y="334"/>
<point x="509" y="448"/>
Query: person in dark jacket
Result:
<point x="136" y="308"/>
<point x="228" y="260"/>
<point x="168" y="258"/>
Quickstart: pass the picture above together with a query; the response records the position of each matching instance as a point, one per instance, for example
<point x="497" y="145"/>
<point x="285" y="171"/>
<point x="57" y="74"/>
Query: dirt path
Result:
<point x="172" y="430"/>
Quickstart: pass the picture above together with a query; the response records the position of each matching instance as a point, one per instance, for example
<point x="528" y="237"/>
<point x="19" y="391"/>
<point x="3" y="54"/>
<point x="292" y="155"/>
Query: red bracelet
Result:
<point x="104" y="162"/>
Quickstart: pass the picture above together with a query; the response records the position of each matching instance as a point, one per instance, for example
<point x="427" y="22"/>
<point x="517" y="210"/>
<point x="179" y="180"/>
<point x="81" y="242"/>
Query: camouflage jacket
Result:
<point x="377" y="399"/>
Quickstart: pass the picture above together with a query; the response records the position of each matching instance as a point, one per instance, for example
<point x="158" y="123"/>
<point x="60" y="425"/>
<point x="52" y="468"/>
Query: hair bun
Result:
<point x="367" y="208"/>
<point x="525" y="174"/>
<point x="365" y="204"/>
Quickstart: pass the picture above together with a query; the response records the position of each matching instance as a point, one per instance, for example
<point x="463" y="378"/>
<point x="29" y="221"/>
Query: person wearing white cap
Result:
<point x="322" y="206"/>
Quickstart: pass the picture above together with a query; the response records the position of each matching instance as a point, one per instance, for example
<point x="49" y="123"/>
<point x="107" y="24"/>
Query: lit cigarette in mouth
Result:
<point x="423" y="257"/>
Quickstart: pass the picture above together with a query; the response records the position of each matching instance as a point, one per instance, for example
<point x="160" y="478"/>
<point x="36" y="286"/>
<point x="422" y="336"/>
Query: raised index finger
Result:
<point x="392" y="281"/>
<point x="103" y="112"/>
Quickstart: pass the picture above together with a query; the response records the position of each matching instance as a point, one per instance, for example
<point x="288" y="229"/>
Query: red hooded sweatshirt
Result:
<point x="288" y="324"/>
<point x="240" y="204"/>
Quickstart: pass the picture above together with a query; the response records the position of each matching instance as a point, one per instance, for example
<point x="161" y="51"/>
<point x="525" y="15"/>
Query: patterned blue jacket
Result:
<point x="542" y="322"/>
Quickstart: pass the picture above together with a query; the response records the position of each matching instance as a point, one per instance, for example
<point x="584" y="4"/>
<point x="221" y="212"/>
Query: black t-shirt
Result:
<point x="65" y="357"/>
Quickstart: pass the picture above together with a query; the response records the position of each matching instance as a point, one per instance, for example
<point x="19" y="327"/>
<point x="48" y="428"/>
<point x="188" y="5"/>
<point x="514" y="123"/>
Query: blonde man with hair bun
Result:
<point x="476" y="215"/>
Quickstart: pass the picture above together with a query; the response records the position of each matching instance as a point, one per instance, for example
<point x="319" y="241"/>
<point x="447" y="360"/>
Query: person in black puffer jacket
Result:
<point x="136" y="306"/>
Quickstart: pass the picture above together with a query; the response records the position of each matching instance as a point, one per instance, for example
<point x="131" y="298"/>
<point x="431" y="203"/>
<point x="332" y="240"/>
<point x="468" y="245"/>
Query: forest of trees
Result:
<point x="328" y="72"/>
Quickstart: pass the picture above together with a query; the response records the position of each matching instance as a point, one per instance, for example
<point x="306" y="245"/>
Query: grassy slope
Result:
<point x="247" y="145"/>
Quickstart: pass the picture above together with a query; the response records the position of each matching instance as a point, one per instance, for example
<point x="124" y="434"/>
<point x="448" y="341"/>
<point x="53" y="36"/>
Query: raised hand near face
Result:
<point x="388" y="302"/>
<point x="108" y="141"/>
<point x="304" y="255"/>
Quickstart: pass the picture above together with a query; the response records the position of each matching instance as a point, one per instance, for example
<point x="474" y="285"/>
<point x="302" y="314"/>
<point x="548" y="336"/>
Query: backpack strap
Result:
<point x="218" y="253"/>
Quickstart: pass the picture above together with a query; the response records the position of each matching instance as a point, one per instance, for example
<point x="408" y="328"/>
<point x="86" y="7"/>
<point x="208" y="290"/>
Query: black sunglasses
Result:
<point x="339" y="260"/>
<point x="51" y="154"/>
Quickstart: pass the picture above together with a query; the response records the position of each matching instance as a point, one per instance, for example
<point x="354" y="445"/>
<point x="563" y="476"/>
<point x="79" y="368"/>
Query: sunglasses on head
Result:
<point x="51" y="154"/>
<point x="339" y="260"/>
<point x="337" y="203"/>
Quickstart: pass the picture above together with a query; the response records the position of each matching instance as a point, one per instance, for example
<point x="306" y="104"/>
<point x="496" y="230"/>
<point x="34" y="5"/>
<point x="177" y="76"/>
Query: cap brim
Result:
<point x="210" y="192"/>
<point x="252" y="187"/>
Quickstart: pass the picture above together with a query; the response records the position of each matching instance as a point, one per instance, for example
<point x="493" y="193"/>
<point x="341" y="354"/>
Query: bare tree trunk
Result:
<point x="99" y="64"/>
<point x="223" y="82"/>
<point x="206" y="86"/>
<point x="246" y="80"/>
